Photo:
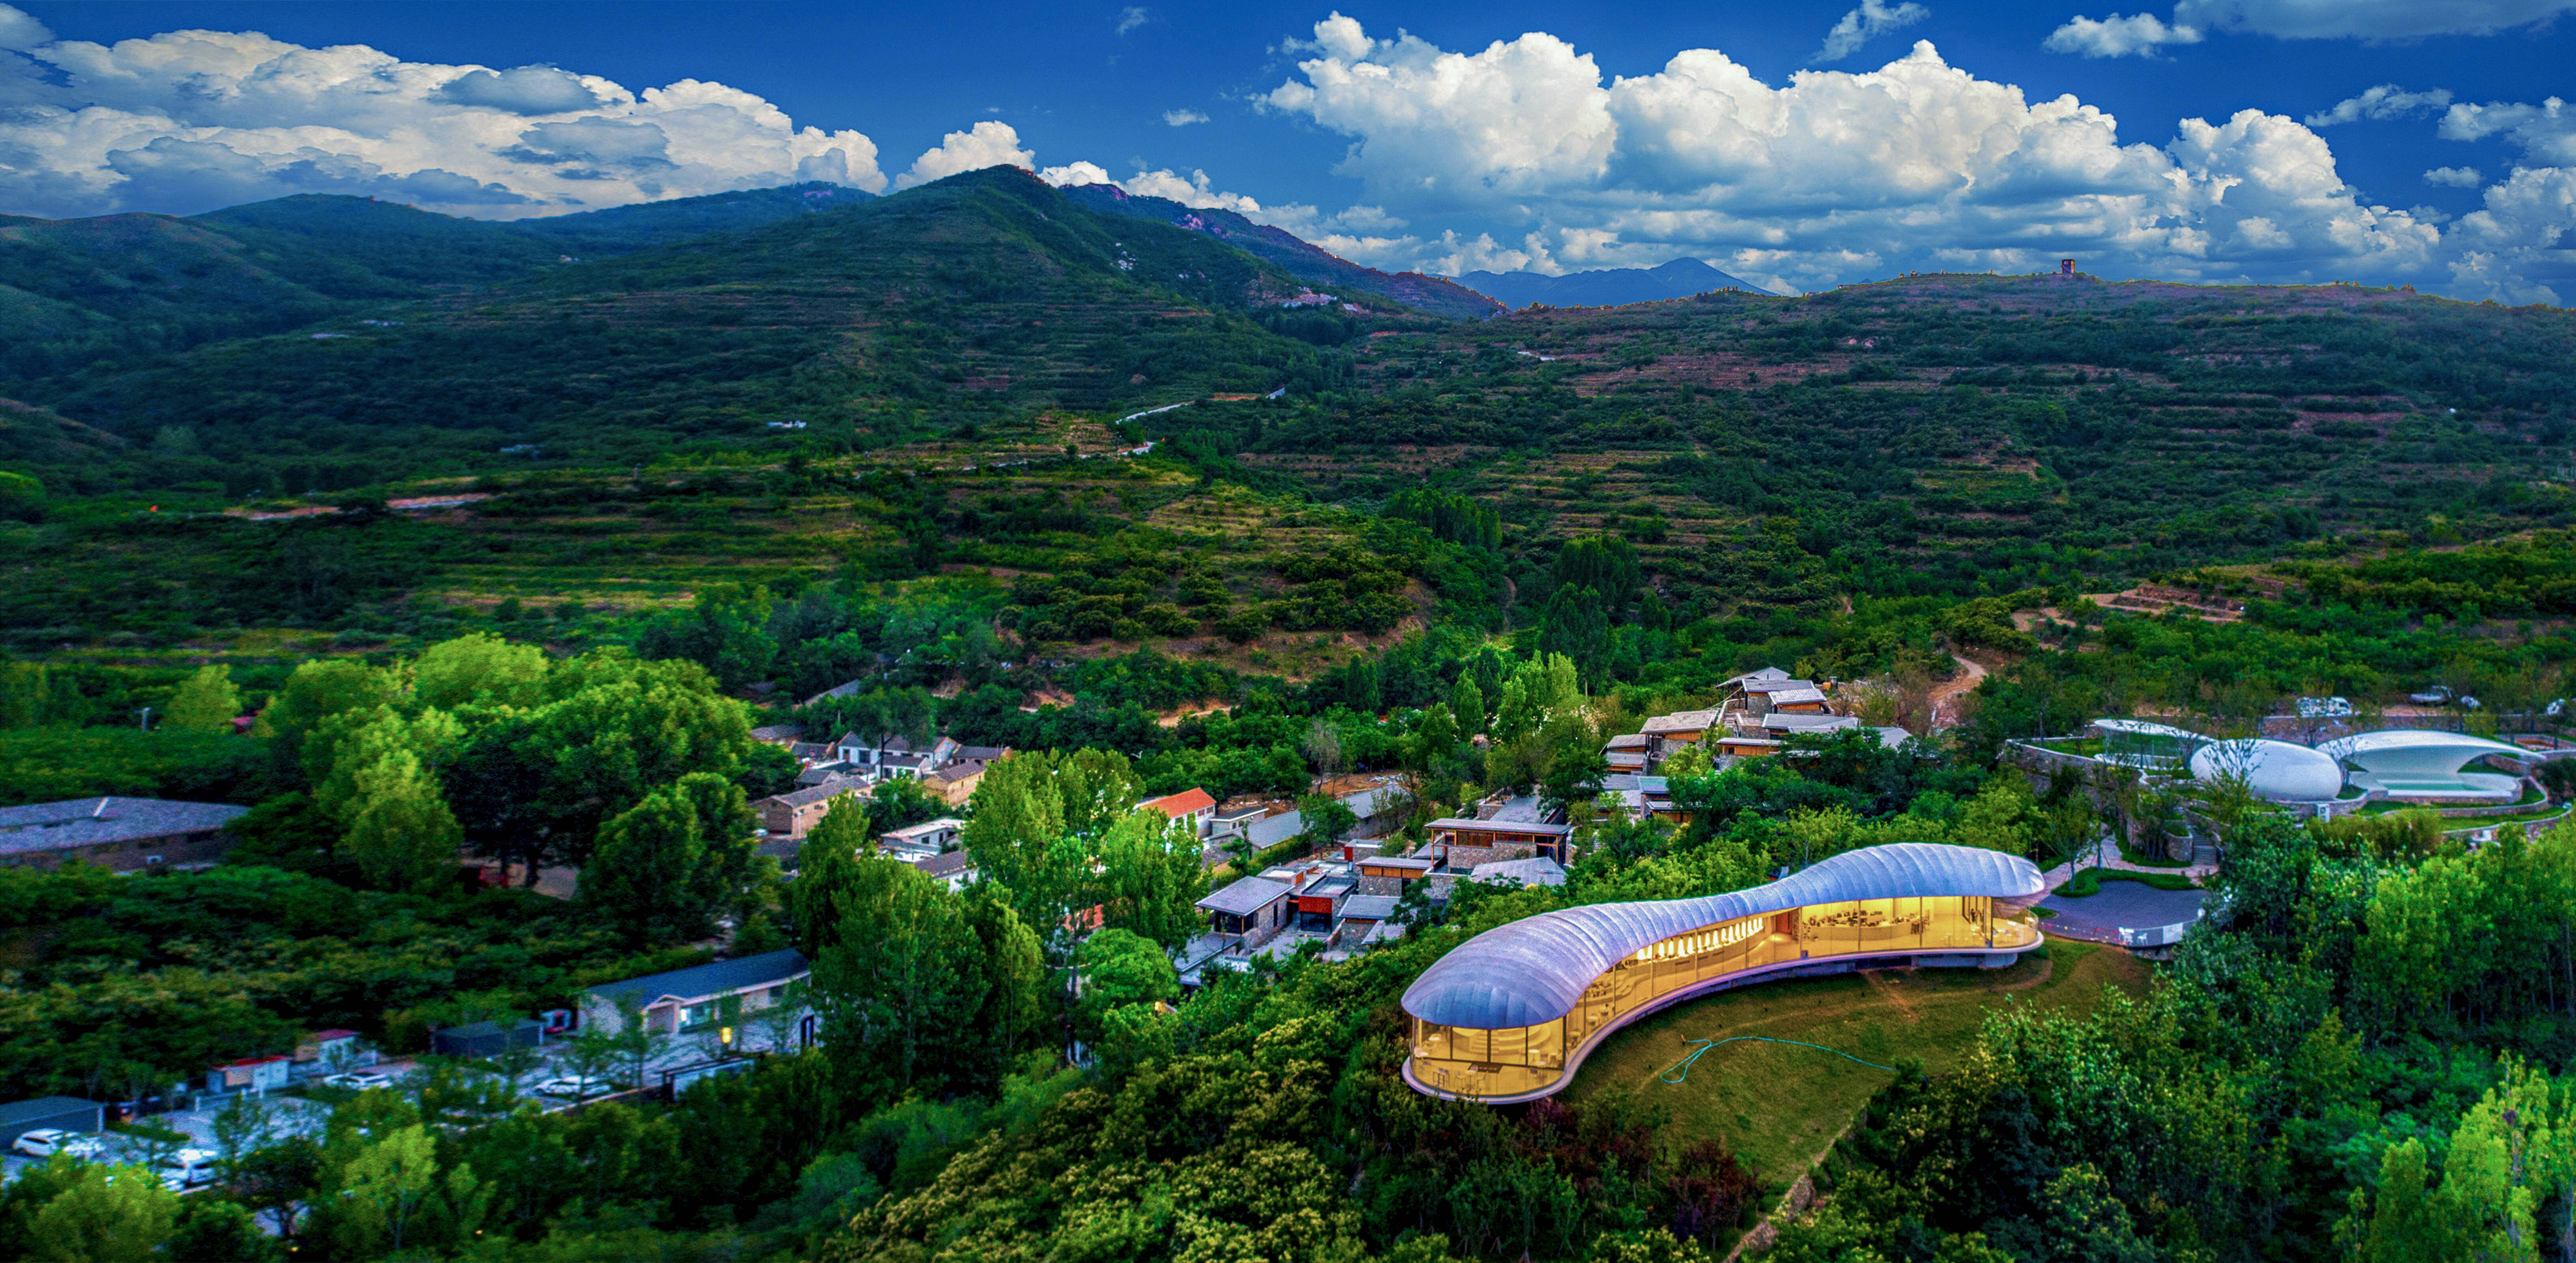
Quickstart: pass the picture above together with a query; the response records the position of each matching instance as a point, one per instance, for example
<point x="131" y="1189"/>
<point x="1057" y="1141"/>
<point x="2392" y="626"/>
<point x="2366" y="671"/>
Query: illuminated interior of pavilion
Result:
<point x="1509" y="1015"/>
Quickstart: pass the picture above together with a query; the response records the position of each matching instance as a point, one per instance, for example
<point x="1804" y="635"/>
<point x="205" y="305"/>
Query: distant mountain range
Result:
<point x="1610" y="287"/>
<point x="1431" y="295"/>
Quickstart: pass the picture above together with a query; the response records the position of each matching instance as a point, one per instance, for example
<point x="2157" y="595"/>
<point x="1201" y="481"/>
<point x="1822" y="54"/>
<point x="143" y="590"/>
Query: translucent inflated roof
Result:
<point x="1534" y="969"/>
<point x="2416" y="750"/>
<point x="2282" y="771"/>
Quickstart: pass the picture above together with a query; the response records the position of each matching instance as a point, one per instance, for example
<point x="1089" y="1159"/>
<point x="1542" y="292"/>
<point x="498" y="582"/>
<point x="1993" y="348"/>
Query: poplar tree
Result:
<point x="207" y="702"/>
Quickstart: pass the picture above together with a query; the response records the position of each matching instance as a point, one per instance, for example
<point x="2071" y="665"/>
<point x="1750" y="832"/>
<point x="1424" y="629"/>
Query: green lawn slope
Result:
<point x="1779" y="1107"/>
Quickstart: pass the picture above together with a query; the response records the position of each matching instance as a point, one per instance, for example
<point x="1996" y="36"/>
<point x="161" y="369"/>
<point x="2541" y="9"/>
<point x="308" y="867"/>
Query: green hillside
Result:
<point x="76" y="292"/>
<point x="981" y="296"/>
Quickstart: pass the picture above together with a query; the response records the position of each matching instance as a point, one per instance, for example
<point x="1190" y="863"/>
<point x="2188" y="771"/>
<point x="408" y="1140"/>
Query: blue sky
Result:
<point x="1441" y="136"/>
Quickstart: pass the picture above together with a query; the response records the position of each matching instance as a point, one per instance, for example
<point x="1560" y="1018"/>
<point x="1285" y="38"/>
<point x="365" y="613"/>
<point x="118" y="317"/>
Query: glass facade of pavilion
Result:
<point x="1515" y="1061"/>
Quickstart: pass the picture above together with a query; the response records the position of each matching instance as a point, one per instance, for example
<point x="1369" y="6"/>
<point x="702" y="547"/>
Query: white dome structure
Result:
<point x="2281" y="771"/>
<point x="2419" y="763"/>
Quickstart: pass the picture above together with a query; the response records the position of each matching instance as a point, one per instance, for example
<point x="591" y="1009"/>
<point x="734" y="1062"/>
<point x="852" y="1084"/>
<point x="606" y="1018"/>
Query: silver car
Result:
<point x="45" y="1142"/>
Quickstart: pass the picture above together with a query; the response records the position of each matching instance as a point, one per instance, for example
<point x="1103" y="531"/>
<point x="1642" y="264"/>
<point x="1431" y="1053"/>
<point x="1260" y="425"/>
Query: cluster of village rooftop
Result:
<point x="1345" y="902"/>
<point x="1344" y="898"/>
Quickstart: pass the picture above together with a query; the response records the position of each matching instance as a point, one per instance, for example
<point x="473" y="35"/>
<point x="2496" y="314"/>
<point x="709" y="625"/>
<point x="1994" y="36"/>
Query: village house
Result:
<point x="120" y="834"/>
<point x="794" y="814"/>
<point x="692" y="999"/>
<point x="1503" y="828"/>
<point x="1193" y="806"/>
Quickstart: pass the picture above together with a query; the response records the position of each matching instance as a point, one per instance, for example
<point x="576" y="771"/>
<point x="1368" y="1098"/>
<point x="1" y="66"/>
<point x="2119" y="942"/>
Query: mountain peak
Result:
<point x="1608" y="287"/>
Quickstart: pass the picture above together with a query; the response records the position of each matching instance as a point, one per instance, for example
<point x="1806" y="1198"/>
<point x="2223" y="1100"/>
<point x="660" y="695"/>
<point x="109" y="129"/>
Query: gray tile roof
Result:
<point x="824" y="792"/>
<point x="42" y="827"/>
<point x="822" y="773"/>
<point x="1778" y="722"/>
<point x="1246" y="895"/>
<point x="1682" y="721"/>
<point x="1369" y="802"/>
<point x="1777" y="686"/>
<point x="943" y="865"/>
<point x="1368" y="907"/>
<point x="1273" y="830"/>
<point x="739" y="974"/>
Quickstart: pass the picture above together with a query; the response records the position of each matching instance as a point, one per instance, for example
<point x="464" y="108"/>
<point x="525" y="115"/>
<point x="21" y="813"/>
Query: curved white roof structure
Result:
<point x="1535" y="969"/>
<point x="2282" y="771"/>
<point x="2416" y="751"/>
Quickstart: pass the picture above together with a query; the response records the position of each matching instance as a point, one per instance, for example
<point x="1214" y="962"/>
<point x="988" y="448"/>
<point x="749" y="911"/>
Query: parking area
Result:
<point x="296" y="1111"/>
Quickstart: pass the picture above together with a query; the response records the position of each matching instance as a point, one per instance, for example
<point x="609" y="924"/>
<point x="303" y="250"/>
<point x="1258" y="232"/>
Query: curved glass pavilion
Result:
<point x="1511" y="1013"/>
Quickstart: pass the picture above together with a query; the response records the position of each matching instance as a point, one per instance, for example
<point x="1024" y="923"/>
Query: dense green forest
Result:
<point x="502" y="540"/>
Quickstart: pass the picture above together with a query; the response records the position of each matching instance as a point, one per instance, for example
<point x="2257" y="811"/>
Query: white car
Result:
<point x="45" y="1142"/>
<point x="361" y="1080"/>
<point x="187" y="1169"/>
<point x="574" y="1086"/>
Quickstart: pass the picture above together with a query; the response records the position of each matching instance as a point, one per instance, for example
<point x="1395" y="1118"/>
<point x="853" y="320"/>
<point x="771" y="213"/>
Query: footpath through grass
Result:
<point x="1777" y="1106"/>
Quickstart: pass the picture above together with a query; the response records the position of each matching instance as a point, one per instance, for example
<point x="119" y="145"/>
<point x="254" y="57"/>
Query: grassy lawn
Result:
<point x="1779" y="1106"/>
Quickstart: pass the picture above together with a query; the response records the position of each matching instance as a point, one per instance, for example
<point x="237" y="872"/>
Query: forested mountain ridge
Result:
<point x="978" y="295"/>
<point x="77" y="291"/>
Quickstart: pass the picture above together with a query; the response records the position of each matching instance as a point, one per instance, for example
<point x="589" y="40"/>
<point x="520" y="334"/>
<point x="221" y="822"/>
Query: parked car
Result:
<point x="188" y="1168"/>
<point x="2438" y="695"/>
<point x="45" y="1142"/>
<point x="360" y="1080"/>
<point x="574" y="1086"/>
<point x="2325" y="708"/>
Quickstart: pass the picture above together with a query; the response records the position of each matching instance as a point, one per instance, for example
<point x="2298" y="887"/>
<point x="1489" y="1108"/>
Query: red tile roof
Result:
<point x="1180" y="804"/>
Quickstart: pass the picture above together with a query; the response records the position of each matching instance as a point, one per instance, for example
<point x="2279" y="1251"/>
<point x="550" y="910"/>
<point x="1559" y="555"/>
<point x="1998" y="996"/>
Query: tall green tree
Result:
<point x="107" y="1214"/>
<point x="205" y="702"/>
<point x="1149" y="877"/>
<point x="899" y="988"/>
<point x="830" y="873"/>
<point x="388" y="1196"/>
<point x="315" y="692"/>
<point x="479" y="668"/>
<point x="1119" y="969"/>
<point x="1467" y="704"/>
<point x="402" y="835"/>
<point x="646" y="874"/>
<point x="1019" y="990"/>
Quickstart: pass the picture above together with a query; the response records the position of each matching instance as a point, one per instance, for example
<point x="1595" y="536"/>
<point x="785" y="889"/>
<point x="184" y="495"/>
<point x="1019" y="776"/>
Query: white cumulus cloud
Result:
<point x="1183" y="118"/>
<point x="1871" y="20"/>
<point x="1131" y="17"/>
<point x="2454" y="177"/>
<point x="2384" y="102"/>
<point x="2137" y="35"/>
<point x="1836" y="176"/>
<point x="2545" y="132"/>
<point x="191" y="120"/>
<point x="18" y="30"/>
<point x="991" y="143"/>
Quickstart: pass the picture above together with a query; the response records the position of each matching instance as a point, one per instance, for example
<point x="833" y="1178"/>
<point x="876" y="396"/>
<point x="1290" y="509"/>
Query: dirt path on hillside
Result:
<point x="1945" y="695"/>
